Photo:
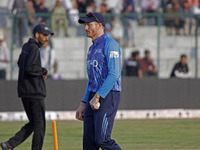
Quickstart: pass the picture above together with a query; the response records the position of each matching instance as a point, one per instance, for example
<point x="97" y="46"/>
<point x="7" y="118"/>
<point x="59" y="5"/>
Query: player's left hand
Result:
<point x="45" y="76"/>
<point x="94" y="103"/>
<point x="80" y="111"/>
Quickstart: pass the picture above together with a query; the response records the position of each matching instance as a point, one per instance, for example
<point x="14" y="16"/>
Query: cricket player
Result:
<point x="102" y="96"/>
<point x="32" y="90"/>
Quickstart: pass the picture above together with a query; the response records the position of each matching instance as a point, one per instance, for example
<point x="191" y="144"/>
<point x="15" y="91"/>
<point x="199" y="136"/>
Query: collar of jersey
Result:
<point x="99" y="39"/>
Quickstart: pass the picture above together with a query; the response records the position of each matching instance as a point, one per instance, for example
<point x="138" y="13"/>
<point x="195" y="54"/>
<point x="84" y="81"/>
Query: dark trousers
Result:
<point x="2" y="74"/>
<point x="35" y="110"/>
<point x="98" y="124"/>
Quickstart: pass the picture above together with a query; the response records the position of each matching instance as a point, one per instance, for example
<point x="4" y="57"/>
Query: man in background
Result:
<point x="181" y="69"/>
<point x="4" y="59"/>
<point x="20" y="25"/>
<point x="32" y="90"/>
<point x="132" y="65"/>
<point x="47" y="55"/>
<point x="59" y="19"/>
<point x="129" y="22"/>
<point x="147" y="65"/>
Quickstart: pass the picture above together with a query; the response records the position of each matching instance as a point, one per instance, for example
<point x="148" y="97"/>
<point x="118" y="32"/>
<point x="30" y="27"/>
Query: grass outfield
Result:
<point x="161" y="134"/>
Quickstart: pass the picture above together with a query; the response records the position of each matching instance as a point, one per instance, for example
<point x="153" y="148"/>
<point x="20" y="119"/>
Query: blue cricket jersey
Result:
<point x="103" y="67"/>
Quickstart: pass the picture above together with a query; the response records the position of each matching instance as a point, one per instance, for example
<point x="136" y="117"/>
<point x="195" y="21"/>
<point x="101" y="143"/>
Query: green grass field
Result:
<point x="162" y="134"/>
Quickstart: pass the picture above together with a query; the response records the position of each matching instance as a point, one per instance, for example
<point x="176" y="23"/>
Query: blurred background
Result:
<point x="159" y="40"/>
<point x="166" y="28"/>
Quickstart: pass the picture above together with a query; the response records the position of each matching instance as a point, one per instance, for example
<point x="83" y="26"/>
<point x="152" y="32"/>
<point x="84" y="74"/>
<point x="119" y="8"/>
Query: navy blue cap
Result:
<point x="90" y="17"/>
<point x="41" y="28"/>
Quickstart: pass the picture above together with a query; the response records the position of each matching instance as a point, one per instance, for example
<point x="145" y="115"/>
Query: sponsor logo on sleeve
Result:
<point x="114" y="54"/>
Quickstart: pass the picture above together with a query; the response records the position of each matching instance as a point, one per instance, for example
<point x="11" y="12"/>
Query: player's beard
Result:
<point x="41" y="42"/>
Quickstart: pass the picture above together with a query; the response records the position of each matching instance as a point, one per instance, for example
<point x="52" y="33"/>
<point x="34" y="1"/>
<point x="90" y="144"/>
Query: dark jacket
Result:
<point x="132" y="67"/>
<point x="30" y="80"/>
<point x="181" y="68"/>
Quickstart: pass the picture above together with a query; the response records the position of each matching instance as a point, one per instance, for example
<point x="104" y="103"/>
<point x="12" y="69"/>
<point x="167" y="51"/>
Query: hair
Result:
<point x="146" y="51"/>
<point x="135" y="53"/>
<point x="183" y="55"/>
<point x="34" y="34"/>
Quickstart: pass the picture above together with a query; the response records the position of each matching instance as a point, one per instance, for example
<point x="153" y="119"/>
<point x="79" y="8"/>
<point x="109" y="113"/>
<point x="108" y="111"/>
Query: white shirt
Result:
<point x="182" y="74"/>
<point x="47" y="56"/>
<point x="4" y="55"/>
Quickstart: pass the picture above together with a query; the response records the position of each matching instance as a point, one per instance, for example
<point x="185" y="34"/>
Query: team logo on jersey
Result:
<point x="94" y="63"/>
<point x="114" y="54"/>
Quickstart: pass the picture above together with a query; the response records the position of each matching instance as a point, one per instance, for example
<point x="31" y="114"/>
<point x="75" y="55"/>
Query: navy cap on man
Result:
<point x="90" y="17"/>
<point x="41" y="28"/>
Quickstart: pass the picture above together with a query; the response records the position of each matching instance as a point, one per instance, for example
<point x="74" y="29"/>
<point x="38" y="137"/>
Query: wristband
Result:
<point x="97" y="96"/>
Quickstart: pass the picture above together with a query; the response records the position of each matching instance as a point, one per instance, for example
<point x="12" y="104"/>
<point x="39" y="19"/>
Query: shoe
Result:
<point x="4" y="146"/>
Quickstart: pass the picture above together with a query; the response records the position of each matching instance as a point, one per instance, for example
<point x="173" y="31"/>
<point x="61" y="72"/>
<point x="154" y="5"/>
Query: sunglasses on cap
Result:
<point x="91" y="14"/>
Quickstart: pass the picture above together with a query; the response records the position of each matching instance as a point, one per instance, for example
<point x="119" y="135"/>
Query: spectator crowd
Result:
<point x="138" y="67"/>
<point x="65" y="13"/>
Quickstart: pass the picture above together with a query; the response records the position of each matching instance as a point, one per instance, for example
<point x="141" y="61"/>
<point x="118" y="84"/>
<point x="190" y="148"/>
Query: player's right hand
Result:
<point x="80" y="111"/>
<point x="94" y="103"/>
<point x="45" y="76"/>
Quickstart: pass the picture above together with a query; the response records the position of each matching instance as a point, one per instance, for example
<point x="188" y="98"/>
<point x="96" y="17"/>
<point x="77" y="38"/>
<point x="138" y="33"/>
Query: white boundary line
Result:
<point x="121" y="114"/>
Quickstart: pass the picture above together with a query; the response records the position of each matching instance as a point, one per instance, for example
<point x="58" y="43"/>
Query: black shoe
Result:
<point x="4" y="146"/>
